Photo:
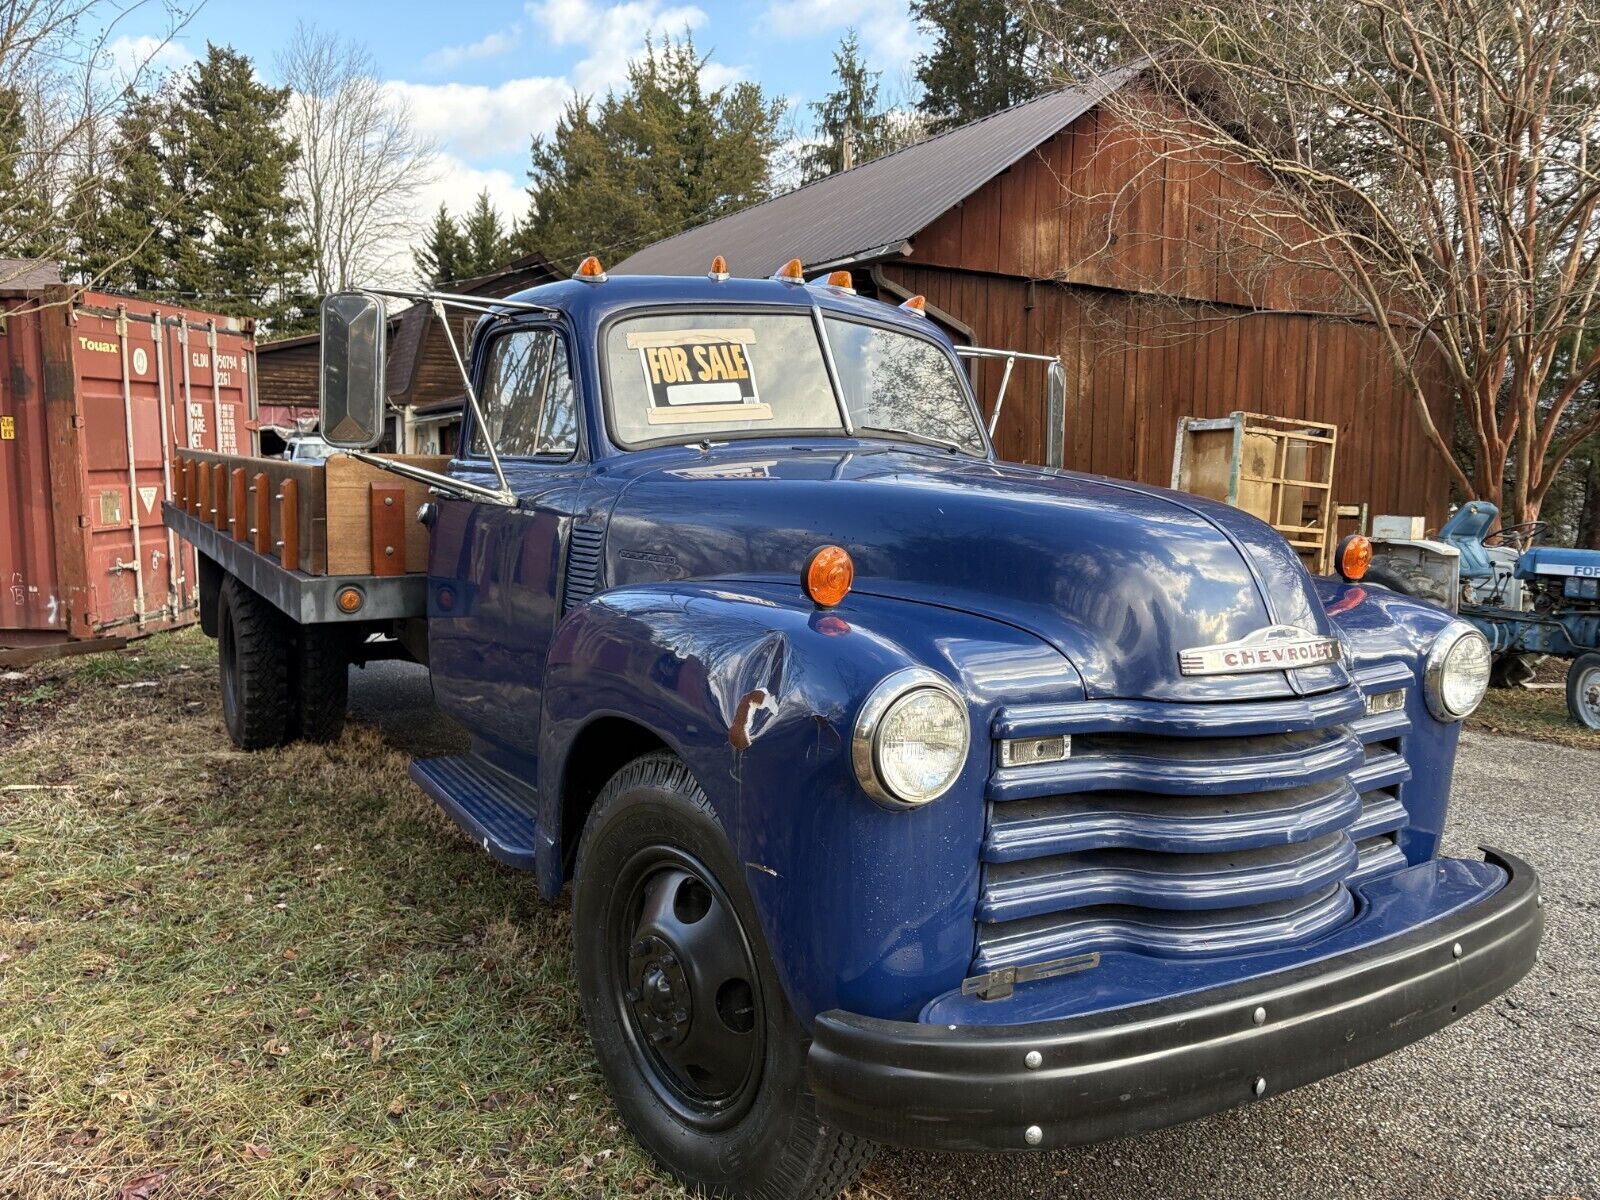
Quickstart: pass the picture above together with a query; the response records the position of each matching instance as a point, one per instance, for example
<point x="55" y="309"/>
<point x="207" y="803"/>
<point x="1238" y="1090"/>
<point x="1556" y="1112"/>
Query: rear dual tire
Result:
<point x="693" y="1033"/>
<point x="280" y="682"/>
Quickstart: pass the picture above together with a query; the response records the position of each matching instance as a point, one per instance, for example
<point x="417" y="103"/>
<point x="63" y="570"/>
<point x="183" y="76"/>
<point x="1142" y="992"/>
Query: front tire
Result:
<point x="1583" y="690"/>
<point x="252" y="643"/>
<point x="693" y="1033"/>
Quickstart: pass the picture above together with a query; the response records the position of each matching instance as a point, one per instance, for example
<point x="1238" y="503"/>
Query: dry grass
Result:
<point x="268" y="975"/>
<point x="1538" y="713"/>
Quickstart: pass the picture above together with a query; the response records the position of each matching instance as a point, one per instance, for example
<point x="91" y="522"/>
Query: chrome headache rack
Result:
<point x="1187" y="829"/>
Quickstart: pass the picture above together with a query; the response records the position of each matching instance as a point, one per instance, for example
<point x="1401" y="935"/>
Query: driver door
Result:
<point x="494" y="571"/>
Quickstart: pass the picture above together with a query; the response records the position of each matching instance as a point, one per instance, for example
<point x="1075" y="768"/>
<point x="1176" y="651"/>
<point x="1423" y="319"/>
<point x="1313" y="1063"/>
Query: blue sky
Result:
<point x="481" y="78"/>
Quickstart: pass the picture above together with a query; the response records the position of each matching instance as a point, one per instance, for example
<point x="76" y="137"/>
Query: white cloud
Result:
<point x="474" y="121"/>
<point x="890" y="37"/>
<point x="613" y="34"/>
<point x="456" y="185"/>
<point x="490" y="45"/>
<point x="144" y="59"/>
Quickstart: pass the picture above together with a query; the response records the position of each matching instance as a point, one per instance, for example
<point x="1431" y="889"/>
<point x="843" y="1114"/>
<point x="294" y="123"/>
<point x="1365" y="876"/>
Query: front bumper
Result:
<point x="1108" y="1074"/>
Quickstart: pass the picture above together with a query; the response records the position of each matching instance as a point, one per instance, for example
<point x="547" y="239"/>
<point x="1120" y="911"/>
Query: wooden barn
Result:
<point x="1063" y="227"/>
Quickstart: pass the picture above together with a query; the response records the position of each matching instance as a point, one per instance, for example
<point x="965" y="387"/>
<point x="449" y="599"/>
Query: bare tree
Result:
<point x="362" y="163"/>
<point x="1439" y="158"/>
<point x="61" y="89"/>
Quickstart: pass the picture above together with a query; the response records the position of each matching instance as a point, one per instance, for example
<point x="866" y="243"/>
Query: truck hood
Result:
<point x="1119" y="577"/>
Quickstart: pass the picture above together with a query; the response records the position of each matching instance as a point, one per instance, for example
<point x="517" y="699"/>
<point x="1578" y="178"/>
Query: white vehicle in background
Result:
<point x="308" y="448"/>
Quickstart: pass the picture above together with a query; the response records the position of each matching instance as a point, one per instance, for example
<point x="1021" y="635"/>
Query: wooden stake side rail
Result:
<point x="340" y="518"/>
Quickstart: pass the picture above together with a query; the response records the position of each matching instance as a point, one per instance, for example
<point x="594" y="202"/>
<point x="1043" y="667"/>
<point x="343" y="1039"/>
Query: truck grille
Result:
<point x="1184" y="829"/>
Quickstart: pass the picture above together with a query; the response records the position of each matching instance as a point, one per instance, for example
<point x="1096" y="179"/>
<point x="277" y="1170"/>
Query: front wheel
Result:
<point x="691" y="1027"/>
<point x="1583" y="690"/>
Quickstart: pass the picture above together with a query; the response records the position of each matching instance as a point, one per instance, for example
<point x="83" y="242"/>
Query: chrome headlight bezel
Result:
<point x="864" y="748"/>
<point x="1439" y="655"/>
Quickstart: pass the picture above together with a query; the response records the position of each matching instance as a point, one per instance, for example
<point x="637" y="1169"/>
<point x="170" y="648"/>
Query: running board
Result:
<point x="499" y="813"/>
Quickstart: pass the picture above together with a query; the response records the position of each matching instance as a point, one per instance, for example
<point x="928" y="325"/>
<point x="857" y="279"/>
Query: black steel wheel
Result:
<point x="691" y="1027"/>
<point x="686" y="987"/>
<point x="252" y="662"/>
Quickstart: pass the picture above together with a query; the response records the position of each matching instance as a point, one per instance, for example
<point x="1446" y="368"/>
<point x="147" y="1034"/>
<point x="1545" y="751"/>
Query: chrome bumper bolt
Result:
<point x="1455" y="951"/>
<point x="1033" y="1061"/>
<point x="1259" y="1016"/>
<point x="1033" y="1135"/>
<point x="1260" y="1086"/>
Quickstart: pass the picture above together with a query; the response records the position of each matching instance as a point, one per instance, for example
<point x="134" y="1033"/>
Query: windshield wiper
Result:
<point x="921" y="439"/>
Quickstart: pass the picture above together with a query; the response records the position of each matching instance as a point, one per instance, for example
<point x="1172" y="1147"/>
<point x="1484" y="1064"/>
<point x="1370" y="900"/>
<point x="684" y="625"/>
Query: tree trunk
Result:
<point x="1589" y="518"/>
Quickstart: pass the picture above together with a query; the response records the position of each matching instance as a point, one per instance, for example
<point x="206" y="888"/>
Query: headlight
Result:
<point x="1457" y="674"/>
<point x="911" y="739"/>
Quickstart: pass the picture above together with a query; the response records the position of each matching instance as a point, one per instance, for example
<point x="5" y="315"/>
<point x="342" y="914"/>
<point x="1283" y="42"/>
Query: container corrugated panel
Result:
<point x="102" y="392"/>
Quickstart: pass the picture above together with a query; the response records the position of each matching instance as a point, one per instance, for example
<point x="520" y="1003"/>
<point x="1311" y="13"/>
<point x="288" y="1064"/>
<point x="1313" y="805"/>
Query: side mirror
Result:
<point x="1055" y="416"/>
<point x="354" y="346"/>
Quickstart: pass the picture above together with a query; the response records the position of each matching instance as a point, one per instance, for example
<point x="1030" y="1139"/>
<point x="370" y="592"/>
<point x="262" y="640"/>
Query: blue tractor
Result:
<point x="1528" y="600"/>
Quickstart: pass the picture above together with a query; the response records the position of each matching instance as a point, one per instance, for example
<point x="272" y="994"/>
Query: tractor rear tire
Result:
<point x="1583" y="690"/>
<point x="252" y="656"/>
<point x="1514" y="670"/>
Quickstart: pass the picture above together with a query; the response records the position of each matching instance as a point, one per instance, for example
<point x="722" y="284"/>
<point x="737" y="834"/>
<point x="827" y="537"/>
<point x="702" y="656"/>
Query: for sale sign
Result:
<point x="699" y="375"/>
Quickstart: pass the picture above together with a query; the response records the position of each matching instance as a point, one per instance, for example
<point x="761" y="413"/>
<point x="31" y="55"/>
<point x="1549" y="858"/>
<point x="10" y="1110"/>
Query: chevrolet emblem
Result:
<point x="1275" y="648"/>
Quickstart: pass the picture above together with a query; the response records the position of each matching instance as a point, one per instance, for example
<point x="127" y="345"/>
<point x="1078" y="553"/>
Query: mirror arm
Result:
<point x="433" y="478"/>
<point x="1000" y="397"/>
<point x="472" y="399"/>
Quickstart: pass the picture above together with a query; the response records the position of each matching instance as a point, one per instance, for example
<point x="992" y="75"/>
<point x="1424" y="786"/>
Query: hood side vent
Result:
<point x="583" y="566"/>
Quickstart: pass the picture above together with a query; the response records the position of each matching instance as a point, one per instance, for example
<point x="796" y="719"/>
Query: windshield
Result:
<point x="685" y="377"/>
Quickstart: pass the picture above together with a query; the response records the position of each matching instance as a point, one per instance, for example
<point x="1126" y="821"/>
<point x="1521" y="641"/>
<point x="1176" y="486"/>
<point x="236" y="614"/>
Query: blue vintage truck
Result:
<point x="905" y="795"/>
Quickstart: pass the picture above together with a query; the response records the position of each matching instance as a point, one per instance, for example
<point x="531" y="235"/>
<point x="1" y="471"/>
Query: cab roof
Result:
<point x="589" y="303"/>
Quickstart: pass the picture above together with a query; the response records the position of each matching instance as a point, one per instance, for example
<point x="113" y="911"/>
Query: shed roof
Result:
<point x="27" y="274"/>
<point x="871" y="209"/>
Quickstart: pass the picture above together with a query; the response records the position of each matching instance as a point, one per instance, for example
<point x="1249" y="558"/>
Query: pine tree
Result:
<point x="243" y="251"/>
<point x="848" y="117"/>
<point x="979" y="63"/>
<point x="24" y="212"/>
<point x="484" y="239"/>
<point x="197" y="210"/>
<point x="439" y="259"/>
<point x="660" y="157"/>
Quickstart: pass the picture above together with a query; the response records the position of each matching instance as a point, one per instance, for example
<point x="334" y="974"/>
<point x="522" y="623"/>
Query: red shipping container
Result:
<point x="96" y="394"/>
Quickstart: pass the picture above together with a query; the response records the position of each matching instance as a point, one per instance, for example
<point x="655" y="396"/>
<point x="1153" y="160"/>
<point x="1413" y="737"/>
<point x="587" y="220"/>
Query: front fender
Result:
<point x="863" y="908"/>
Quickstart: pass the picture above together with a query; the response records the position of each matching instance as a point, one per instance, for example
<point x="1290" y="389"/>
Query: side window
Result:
<point x="530" y="406"/>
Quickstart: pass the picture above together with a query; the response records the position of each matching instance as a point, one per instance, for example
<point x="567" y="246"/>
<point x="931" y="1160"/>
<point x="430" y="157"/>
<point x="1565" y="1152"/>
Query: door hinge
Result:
<point x="999" y="984"/>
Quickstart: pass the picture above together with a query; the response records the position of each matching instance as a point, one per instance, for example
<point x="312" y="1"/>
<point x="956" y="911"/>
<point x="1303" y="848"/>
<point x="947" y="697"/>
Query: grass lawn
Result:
<point x="271" y="975"/>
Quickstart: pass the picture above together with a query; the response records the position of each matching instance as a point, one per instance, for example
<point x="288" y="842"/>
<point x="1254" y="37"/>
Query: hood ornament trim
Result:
<point x="1275" y="648"/>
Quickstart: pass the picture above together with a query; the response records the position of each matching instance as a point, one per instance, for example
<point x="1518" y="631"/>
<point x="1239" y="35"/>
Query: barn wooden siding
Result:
<point x="287" y="372"/>
<point x="1139" y="261"/>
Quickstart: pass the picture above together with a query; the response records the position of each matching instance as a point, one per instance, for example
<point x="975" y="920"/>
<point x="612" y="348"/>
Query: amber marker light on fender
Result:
<point x="1355" y="556"/>
<point x="828" y="575"/>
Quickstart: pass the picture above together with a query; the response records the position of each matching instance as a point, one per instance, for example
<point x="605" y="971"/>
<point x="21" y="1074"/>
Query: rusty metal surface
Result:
<point x="96" y="395"/>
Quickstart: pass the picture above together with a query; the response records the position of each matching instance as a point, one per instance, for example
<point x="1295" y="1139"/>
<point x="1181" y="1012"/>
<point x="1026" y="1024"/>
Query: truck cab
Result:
<point x="907" y="795"/>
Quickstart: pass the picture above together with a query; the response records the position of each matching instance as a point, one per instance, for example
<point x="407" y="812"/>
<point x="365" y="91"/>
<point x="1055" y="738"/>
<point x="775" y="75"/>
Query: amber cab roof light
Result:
<point x="1355" y="556"/>
<point x="590" y="271"/>
<point x="793" y="271"/>
<point x="719" y="269"/>
<point x="828" y="575"/>
<point x="916" y="304"/>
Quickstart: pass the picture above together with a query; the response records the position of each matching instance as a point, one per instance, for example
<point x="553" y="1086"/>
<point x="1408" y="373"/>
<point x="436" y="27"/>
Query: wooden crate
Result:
<point x="1274" y="468"/>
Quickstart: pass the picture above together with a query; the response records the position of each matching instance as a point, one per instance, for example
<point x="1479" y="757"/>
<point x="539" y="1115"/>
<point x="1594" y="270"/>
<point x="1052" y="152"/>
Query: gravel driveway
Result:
<point x="1503" y="1105"/>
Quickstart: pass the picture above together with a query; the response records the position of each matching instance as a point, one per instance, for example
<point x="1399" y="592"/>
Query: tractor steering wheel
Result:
<point x="1522" y="535"/>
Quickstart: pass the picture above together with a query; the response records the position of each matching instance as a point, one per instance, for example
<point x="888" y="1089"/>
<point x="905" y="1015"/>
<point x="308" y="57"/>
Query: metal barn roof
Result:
<point x="872" y="208"/>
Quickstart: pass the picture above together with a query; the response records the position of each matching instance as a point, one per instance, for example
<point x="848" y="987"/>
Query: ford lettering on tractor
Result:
<point x="905" y="795"/>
